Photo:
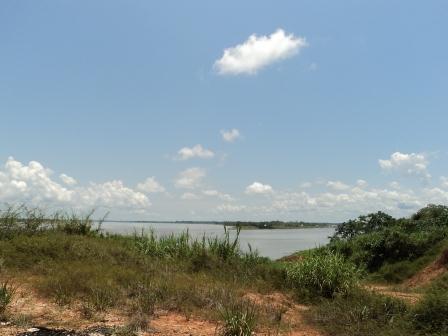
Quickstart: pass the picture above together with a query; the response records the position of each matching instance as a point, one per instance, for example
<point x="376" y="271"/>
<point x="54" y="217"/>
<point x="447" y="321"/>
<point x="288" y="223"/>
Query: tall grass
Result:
<point x="23" y="220"/>
<point x="183" y="246"/>
<point x="239" y="318"/>
<point x="323" y="274"/>
<point x="6" y="294"/>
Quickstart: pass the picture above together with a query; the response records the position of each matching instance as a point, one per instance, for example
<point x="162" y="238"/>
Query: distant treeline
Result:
<point x="277" y="225"/>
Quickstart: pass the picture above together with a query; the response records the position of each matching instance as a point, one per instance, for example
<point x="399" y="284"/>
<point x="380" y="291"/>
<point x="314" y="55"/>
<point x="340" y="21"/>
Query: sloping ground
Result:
<point x="41" y="317"/>
<point x="430" y="272"/>
<point x="408" y="297"/>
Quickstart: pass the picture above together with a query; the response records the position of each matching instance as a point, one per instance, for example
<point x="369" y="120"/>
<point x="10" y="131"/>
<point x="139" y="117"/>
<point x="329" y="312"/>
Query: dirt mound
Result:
<point x="430" y="272"/>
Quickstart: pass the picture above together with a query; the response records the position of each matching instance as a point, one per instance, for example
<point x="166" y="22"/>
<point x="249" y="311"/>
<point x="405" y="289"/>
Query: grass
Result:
<point x="69" y="260"/>
<point x="239" y="318"/>
<point x="6" y="294"/>
<point x="323" y="274"/>
<point x="73" y="264"/>
<point x="362" y="314"/>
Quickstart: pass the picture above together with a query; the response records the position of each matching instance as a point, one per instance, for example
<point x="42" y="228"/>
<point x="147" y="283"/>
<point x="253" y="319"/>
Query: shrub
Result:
<point x="6" y="294"/>
<point x="323" y="274"/>
<point x="431" y="313"/>
<point x="362" y="314"/>
<point x="240" y="318"/>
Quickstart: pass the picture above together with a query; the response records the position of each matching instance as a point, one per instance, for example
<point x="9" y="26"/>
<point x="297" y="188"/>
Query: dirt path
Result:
<point x="408" y="297"/>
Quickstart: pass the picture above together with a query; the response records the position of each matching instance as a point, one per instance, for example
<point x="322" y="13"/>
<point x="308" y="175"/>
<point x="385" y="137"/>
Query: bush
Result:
<point x="6" y="294"/>
<point x="323" y="274"/>
<point x="362" y="314"/>
<point x="431" y="313"/>
<point x="239" y="318"/>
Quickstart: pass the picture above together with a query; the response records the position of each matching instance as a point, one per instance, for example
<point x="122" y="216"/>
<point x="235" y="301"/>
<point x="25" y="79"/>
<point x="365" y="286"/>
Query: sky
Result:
<point x="202" y="110"/>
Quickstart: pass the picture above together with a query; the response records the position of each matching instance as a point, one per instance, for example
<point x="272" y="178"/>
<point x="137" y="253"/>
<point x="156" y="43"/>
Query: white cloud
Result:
<point x="361" y="183"/>
<point x="258" y="52"/>
<point x="216" y="193"/>
<point x="190" y="178"/>
<point x="151" y="185"/>
<point x="196" y="151"/>
<point x="230" y="135"/>
<point x="113" y="194"/>
<point x="337" y="185"/>
<point x="259" y="188"/>
<point x="410" y="164"/>
<point x="394" y="185"/>
<point x="68" y="180"/>
<point x="231" y="208"/>
<point x="189" y="196"/>
<point x="33" y="184"/>
<point x="444" y="181"/>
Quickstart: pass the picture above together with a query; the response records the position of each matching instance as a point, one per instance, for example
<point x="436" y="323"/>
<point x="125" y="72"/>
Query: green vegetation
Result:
<point x="69" y="260"/>
<point x="276" y="225"/>
<point x="6" y="293"/>
<point x="388" y="250"/>
<point x="239" y="318"/>
<point x="323" y="274"/>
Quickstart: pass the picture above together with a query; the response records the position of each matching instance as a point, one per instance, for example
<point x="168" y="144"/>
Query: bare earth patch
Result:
<point x="39" y="312"/>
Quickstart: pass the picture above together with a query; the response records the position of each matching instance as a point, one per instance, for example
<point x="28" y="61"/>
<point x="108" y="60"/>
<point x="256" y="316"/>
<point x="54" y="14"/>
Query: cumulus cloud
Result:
<point x="218" y="194"/>
<point x="230" y="135"/>
<point x="151" y="185"/>
<point x="410" y="164"/>
<point x="444" y="181"/>
<point x="259" y="188"/>
<point x="113" y="194"/>
<point x="33" y="184"/>
<point x="68" y="180"/>
<point x="190" y="178"/>
<point x="231" y="208"/>
<point x="196" y="151"/>
<point x="188" y="196"/>
<point x="258" y="52"/>
<point x="337" y="185"/>
<point x="362" y="183"/>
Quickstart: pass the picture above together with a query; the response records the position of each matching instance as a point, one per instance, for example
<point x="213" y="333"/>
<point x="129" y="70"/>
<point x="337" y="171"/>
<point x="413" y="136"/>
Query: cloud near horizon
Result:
<point x="258" y="52"/>
<point x="196" y="151"/>
<point x="408" y="164"/>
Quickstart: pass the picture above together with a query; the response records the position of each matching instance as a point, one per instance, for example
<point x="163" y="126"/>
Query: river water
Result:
<point x="272" y="243"/>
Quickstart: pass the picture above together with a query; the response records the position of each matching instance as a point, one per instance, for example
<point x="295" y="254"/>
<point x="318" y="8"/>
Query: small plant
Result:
<point x="430" y="314"/>
<point x="240" y="318"/>
<point x="323" y="274"/>
<point x="6" y="294"/>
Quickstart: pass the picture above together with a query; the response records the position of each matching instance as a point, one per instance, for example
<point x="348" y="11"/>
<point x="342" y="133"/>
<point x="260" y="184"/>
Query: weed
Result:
<point x="239" y="318"/>
<point x="6" y="295"/>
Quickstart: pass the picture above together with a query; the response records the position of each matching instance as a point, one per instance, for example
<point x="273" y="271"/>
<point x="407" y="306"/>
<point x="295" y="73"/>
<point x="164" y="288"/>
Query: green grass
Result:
<point x="6" y="294"/>
<point x="323" y="274"/>
<point x="239" y="318"/>
<point x="361" y="314"/>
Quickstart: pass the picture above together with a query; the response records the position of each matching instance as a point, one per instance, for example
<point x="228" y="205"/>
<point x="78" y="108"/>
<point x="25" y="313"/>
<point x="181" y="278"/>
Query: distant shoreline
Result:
<point x="262" y="225"/>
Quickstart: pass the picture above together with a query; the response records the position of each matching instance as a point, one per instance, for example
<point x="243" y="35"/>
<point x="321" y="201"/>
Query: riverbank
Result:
<point x="63" y="273"/>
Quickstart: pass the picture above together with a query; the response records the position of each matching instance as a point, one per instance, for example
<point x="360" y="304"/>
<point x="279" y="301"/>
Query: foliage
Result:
<point x="23" y="220"/>
<point x="323" y="274"/>
<point x="431" y="313"/>
<point x="377" y="240"/>
<point x="6" y="294"/>
<point x="239" y="317"/>
<point x="362" y="314"/>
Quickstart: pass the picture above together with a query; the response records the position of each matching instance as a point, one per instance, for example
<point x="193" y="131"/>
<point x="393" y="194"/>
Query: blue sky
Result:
<point x="110" y="92"/>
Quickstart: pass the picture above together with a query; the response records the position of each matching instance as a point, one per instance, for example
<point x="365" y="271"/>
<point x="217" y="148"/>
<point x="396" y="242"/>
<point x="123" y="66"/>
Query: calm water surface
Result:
<point x="274" y="243"/>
